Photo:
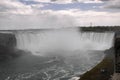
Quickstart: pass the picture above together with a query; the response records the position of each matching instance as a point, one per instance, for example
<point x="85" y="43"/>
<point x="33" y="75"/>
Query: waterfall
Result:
<point x="63" y="39"/>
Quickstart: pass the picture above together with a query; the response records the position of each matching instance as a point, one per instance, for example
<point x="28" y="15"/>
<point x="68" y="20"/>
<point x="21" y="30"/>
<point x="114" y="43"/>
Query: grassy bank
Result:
<point x="100" y="72"/>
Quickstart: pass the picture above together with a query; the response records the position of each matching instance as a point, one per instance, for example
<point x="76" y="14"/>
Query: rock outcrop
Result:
<point x="7" y="46"/>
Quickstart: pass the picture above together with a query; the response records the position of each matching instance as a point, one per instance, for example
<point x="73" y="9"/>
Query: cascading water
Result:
<point x="63" y="39"/>
<point x="60" y="54"/>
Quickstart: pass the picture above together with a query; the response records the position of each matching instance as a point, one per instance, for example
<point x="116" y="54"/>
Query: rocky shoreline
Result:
<point x="103" y="70"/>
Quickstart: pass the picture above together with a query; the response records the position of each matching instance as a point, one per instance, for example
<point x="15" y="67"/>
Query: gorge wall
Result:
<point x="7" y="45"/>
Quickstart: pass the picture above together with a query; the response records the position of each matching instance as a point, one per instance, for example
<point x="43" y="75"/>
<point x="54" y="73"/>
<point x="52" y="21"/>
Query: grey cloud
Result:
<point x="67" y="1"/>
<point x="113" y="4"/>
<point x="105" y="0"/>
<point x="4" y="8"/>
<point x="53" y="0"/>
<point x="75" y="1"/>
<point x="15" y="7"/>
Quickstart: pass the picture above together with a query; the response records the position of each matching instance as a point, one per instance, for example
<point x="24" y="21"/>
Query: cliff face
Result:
<point x="8" y="40"/>
<point x="103" y="70"/>
<point x="117" y="52"/>
<point x="7" y="45"/>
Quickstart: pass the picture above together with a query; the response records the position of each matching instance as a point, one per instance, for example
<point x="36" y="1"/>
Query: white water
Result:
<point x="75" y="52"/>
<point x="44" y="41"/>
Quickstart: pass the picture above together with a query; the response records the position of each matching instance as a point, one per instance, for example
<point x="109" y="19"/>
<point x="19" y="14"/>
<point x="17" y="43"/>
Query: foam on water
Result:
<point x="74" y="52"/>
<point x="47" y="41"/>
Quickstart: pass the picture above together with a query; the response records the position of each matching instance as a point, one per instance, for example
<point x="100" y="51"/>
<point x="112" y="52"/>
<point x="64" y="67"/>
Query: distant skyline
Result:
<point x="25" y="14"/>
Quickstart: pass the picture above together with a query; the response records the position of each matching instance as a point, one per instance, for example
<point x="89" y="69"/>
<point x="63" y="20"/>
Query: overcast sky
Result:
<point x="24" y="14"/>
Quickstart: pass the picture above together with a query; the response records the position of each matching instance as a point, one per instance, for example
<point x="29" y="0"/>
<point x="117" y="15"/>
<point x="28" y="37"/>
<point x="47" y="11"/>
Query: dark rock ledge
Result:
<point x="8" y="46"/>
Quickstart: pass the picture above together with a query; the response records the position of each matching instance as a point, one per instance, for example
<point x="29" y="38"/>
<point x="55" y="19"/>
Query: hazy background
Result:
<point x="22" y="14"/>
